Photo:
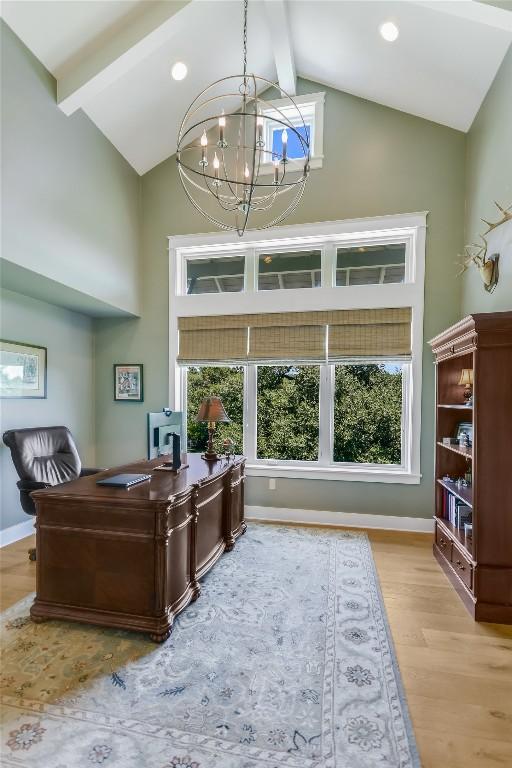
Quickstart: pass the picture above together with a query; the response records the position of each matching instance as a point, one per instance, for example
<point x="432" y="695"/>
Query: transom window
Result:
<point x="220" y="275"/>
<point x="295" y="269"/>
<point x="371" y="264"/>
<point x="314" y="345"/>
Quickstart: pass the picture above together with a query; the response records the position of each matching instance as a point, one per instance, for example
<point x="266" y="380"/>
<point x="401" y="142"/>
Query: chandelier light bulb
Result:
<point x="389" y="31"/>
<point x="179" y="71"/>
<point x="216" y="164"/>
<point x="246" y="171"/>
<point x="276" y="170"/>
<point x="204" y="143"/>
<point x="284" y="139"/>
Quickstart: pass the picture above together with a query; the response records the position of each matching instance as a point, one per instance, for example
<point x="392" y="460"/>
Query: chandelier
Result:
<point x="243" y="159"/>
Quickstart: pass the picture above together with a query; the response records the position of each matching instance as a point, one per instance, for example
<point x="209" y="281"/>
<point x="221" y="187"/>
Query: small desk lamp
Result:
<point x="211" y="411"/>
<point x="466" y="380"/>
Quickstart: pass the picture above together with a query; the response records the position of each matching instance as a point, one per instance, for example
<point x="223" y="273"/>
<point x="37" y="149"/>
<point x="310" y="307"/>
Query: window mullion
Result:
<point x="251" y="270"/>
<point x="326" y="407"/>
<point x="250" y="412"/>
<point x="328" y="265"/>
<point x="182" y="401"/>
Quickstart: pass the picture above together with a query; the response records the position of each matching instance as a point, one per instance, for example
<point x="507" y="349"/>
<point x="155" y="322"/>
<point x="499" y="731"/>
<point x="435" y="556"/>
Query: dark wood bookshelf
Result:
<point x="480" y="567"/>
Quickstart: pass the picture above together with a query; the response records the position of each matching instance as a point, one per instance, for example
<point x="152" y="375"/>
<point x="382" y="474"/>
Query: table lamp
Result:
<point x="466" y="380"/>
<point x="211" y="411"/>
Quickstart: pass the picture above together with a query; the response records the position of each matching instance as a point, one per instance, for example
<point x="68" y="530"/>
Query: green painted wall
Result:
<point x="489" y="178"/>
<point x="68" y="337"/>
<point x="70" y="208"/>
<point x="378" y="161"/>
<point x="70" y="217"/>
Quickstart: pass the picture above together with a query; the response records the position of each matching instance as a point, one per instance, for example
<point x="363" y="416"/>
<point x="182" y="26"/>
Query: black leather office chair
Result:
<point x="43" y="457"/>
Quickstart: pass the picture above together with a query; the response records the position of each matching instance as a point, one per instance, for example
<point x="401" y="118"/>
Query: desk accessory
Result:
<point x="211" y="411"/>
<point x="176" y="464"/>
<point x="124" y="480"/>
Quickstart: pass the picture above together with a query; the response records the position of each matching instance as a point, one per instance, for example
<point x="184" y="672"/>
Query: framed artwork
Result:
<point x="465" y="426"/>
<point x="128" y="383"/>
<point x="22" y="370"/>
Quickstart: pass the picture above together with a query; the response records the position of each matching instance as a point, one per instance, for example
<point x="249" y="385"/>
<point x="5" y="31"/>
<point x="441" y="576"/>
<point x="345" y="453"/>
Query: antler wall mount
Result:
<point x="478" y="254"/>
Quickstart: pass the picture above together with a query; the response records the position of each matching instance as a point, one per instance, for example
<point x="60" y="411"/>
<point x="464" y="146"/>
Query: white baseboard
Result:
<point x="343" y="519"/>
<point x="16" y="532"/>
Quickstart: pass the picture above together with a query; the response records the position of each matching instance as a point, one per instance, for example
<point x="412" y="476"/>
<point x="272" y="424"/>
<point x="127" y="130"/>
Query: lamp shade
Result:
<point x="466" y="377"/>
<point x="212" y="410"/>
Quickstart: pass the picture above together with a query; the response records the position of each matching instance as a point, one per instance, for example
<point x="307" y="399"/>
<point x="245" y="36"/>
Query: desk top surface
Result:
<point x="162" y="486"/>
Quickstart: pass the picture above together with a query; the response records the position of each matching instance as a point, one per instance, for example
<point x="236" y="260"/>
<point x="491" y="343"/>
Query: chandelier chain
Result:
<point x="246" y="4"/>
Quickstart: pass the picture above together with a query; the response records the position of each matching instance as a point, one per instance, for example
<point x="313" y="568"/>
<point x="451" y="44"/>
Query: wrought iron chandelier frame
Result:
<point x="242" y="192"/>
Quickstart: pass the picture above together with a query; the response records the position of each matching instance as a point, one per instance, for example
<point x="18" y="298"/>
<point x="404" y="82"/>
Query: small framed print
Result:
<point x="22" y="370"/>
<point x="465" y="426"/>
<point x="128" y="383"/>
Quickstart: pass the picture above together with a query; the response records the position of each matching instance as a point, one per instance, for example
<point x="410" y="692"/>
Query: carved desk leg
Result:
<point x="162" y="637"/>
<point x="194" y="583"/>
<point x="242" y="498"/>
<point x="164" y="621"/>
<point x="227" y="511"/>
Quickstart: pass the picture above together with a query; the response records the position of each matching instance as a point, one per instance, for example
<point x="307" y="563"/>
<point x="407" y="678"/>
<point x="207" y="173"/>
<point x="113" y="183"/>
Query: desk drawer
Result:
<point x="444" y="543"/>
<point x="462" y="567"/>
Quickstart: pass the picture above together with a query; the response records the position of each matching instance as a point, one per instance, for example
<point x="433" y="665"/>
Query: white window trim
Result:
<point x="312" y="104"/>
<point x="408" y="228"/>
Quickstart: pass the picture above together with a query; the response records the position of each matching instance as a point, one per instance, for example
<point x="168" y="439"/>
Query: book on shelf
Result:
<point x="455" y="510"/>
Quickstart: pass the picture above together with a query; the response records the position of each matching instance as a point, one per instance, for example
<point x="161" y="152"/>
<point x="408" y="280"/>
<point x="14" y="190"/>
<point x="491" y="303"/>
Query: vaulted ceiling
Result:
<point x="113" y="59"/>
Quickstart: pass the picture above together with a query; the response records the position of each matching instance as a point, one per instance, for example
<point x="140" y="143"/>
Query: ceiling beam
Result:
<point x="118" y="50"/>
<point x="480" y="12"/>
<point x="279" y="28"/>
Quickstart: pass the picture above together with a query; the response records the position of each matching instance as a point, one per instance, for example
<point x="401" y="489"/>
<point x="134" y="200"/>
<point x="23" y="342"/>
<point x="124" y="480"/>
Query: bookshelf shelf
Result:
<point x="466" y="452"/>
<point x="456" y="406"/>
<point x="464" y="494"/>
<point x="480" y="567"/>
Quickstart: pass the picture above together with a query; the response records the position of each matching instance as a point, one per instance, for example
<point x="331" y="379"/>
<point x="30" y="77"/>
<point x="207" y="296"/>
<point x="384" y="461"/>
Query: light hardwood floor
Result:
<point x="457" y="674"/>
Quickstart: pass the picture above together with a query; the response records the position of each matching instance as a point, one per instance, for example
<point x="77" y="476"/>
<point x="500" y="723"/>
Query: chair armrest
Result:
<point x="89" y="471"/>
<point x="32" y="485"/>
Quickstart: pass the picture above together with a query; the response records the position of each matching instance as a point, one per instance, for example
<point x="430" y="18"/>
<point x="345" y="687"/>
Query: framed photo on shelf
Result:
<point x="22" y="370"/>
<point x="465" y="426"/>
<point x="128" y="382"/>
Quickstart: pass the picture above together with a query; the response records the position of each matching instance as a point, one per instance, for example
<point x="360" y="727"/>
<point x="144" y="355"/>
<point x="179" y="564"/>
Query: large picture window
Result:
<point x="322" y="383"/>
<point x="287" y="412"/>
<point x="368" y="414"/>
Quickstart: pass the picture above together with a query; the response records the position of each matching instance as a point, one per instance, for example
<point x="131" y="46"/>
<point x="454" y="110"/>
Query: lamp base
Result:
<point x="210" y="456"/>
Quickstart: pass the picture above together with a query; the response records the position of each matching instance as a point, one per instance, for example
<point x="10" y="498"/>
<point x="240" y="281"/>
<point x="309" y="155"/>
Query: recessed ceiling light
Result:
<point x="389" y="31"/>
<point x="179" y="70"/>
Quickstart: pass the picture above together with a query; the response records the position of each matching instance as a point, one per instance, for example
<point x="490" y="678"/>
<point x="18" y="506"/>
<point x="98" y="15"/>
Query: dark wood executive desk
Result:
<point x="132" y="558"/>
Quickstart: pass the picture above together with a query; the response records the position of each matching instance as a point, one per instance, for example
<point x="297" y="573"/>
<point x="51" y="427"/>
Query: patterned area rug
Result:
<point x="285" y="660"/>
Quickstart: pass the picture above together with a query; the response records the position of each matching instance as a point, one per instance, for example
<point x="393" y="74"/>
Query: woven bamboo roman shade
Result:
<point x="287" y="342"/>
<point x="300" y="336"/>
<point x="369" y="333"/>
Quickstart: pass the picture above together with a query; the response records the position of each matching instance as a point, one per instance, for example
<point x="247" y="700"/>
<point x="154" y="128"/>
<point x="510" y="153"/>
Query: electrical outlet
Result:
<point x="272" y="484"/>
